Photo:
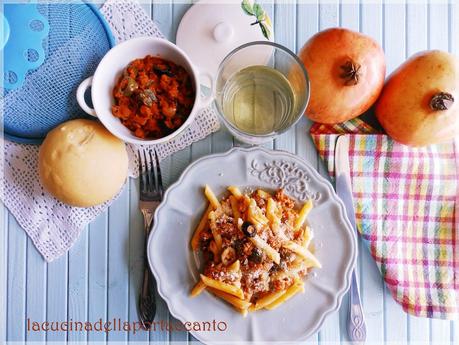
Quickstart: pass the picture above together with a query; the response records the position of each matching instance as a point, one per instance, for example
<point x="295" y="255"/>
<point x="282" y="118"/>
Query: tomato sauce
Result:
<point x="153" y="97"/>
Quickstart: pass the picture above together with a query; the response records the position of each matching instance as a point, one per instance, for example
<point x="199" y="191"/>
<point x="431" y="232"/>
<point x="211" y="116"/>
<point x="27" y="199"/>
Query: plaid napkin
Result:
<point x="406" y="201"/>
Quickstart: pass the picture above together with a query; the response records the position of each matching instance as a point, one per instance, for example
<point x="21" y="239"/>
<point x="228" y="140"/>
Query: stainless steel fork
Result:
<point x="151" y="194"/>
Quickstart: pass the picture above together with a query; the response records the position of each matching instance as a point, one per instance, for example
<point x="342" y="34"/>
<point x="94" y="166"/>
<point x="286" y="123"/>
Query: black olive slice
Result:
<point x="256" y="256"/>
<point x="249" y="229"/>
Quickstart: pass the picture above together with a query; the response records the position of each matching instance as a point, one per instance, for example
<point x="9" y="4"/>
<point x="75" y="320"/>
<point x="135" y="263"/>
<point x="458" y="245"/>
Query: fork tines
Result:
<point x="149" y="173"/>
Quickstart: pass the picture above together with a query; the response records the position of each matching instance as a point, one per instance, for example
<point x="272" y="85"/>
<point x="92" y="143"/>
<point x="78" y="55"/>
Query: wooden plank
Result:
<point x="417" y="35"/>
<point x="3" y="241"/>
<point x="394" y="34"/>
<point x="438" y="33"/>
<point x="3" y="271"/>
<point x="439" y="37"/>
<point x="453" y="9"/>
<point x="417" y="22"/>
<point x="370" y="281"/>
<point x="97" y="274"/>
<point x="454" y="334"/>
<point x="371" y="285"/>
<point x="178" y="10"/>
<point x="372" y="292"/>
<point x="162" y="15"/>
<point x="180" y="160"/>
<point x="349" y="15"/>
<point x="328" y="16"/>
<point x="307" y="24"/>
<point x="371" y="23"/>
<point x="118" y="254"/>
<point x="56" y="296"/>
<point x="78" y="288"/>
<point x="441" y="332"/>
<point x="370" y="289"/>
<point x="285" y="34"/>
<point x="17" y="273"/>
<point x="221" y="141"/>
<point x="137" y="242"/>
<point x="394" y="46"/>
<point x="203" y="148"/>
<point x="200" y="149"/>
<point x="349" y="18"/>
<point x="36" y="291"/>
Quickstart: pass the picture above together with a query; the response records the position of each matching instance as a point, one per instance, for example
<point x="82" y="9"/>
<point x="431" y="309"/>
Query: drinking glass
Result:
<point x="274" y="114"/>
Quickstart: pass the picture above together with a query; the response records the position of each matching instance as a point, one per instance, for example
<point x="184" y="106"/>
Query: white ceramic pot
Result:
<point x="111" y="67"/>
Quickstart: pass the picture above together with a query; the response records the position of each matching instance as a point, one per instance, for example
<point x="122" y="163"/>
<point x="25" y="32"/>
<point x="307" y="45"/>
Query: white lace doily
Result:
<point x="52" y="225"/>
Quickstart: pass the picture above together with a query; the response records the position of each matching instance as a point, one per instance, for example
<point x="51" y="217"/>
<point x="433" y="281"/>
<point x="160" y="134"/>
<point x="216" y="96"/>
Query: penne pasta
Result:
<point x="297" y="264"/>
<point x="272" y="213"/>
<point x="303" y="214"/>
<point x="304" y="253"/>
<point x="262" y="194"/>
<point x="267" y="299"/>
<point x="244" y="312"/>
<point x="215" y="234"/>
<point x="214" y="250"/>
<point x="234" y="207"/>
<point x="224" y="287"/>
<point x="307" y="237"/>
<point x="198" y="288"/>
<point x="255" y="215"/>
<point x="289" y="293"/>
<point x="211" y="197"/>
<point x="200" y="228"/>
<point x="235" y="191"/>
<point x="235" y="266"/>
<point x="270" y="251"/>
<point x="240" y="304"/>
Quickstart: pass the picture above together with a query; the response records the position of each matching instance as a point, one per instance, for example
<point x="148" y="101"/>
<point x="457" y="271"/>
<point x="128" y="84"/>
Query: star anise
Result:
<point x="350" y="73"/>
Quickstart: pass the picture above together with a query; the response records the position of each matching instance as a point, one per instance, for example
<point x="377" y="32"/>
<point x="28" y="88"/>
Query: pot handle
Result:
<point x="81" y="90"/>
<point x="207" y="100"/>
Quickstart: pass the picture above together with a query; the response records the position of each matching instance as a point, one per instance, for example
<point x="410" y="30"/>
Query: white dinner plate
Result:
<point x="175" y="266"/>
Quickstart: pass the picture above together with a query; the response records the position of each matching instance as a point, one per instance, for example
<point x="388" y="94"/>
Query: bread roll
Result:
<point x="82" y="164"/>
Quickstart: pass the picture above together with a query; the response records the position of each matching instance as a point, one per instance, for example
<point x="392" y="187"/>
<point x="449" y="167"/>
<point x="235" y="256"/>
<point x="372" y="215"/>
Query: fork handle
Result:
<point x="147" y="303"/>
<point x="148" y="283"/>
<point x="356" y="323"/>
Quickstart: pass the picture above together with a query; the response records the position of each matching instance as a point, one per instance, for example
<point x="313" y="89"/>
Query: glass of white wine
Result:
<point x="261" y="90"/>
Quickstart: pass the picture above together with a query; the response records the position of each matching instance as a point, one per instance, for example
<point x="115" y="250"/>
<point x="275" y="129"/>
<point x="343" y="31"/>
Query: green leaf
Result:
<point x="247" y="7"/>
<point x="265" y="30"/>
<point x="258" y="11"/>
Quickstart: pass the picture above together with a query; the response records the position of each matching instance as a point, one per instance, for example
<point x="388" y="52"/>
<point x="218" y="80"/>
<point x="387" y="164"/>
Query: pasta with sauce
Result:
<point x="256" y="248"/>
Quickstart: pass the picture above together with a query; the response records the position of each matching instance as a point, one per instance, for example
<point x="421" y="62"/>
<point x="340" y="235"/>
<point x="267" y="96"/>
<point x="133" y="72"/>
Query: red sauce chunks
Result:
<point x="153" y="97"/>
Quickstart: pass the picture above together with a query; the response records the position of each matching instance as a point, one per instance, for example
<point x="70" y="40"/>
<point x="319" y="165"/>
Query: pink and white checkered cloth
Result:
<point x="407" y="212"/>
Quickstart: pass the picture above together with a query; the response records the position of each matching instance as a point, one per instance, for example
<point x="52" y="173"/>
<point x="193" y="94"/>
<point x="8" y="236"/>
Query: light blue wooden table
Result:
<point x="100" y="276"/>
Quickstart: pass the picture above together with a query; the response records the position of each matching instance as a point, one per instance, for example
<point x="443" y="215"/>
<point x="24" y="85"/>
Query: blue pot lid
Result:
<point x="64" y="44"/>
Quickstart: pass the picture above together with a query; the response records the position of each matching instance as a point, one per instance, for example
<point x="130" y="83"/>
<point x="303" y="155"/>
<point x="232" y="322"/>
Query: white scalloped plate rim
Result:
<point x="318" y="178"/>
